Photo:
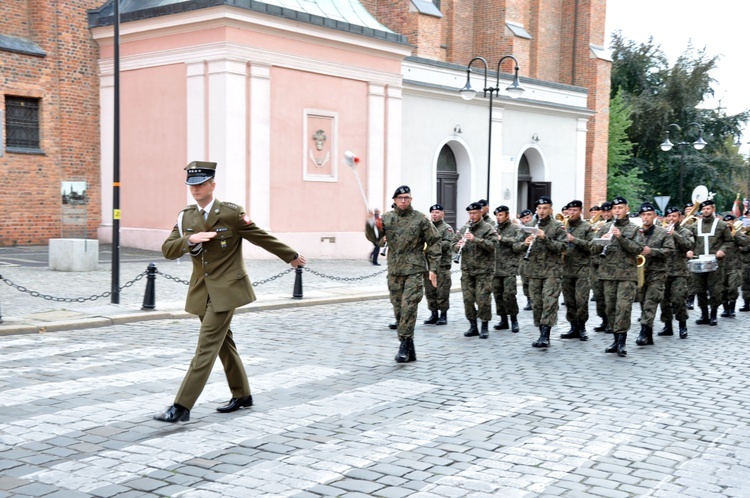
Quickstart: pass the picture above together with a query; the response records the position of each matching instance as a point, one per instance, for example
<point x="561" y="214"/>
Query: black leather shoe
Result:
<point x="174" y="413"/>
<point x="235" y="404"/>
<point x="393" y="326"/>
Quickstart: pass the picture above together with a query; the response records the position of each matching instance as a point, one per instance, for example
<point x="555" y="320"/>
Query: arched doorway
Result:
<point x="447" y="183"/>
<point x="531" y="166"/>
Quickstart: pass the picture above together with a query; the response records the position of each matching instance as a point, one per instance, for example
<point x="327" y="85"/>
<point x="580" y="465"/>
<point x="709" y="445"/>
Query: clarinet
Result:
<point x="384" y="249"/>
<point x="528" y="251"/>
<point x="457" y="257"/>
<point x="604" y="250"/>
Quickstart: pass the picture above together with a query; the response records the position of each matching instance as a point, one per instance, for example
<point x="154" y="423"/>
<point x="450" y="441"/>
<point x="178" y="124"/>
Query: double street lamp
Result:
<point x="667" y="145"/>
<point x="514" y="90"/>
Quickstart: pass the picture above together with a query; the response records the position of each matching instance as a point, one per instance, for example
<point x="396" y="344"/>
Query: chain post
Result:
<point x="149" y="297"/>
<point x="297" y="292"/>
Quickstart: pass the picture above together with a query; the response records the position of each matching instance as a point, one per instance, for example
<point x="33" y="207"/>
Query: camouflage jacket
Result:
<point x="490" y="221"/>
<point x="683" y="242"/>
<point x="733" y="259"/>
<point x="446" y="239"/>
<point x="477" y="256"/>
<point x="545" y="256"/>
<point x="508" y="249"/>
<point x="620" y="260"/>
<point x="716" y="240"/>
<point x="661" y="247"/>
<point x="578" y="251"/>
<point x="407" y="231"/>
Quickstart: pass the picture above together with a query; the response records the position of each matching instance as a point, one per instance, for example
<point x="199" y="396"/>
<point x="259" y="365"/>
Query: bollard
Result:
<point x="297" y="292"/>
<point x="149" y="297"/>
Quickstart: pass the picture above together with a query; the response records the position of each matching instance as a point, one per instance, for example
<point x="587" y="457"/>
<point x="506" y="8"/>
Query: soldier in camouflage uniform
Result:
<point x="745" y="258"/>
<point x="438" y="298"/>
<point x="690" y="284"/>
<point x="674" y="302"/>
<point x="544" y="255"/>
<point x="732" y="269"/>
<point x="525" y="218"/>
<point x="597" y="285"/>
<point x="576" y="283"/>
<point x="486" y="213"/>
<point x="509" y="247"/>
<point x="712" y="236"/>
<point x="658" y="250"/>
<point x="411" y="237"/>
<point x="618" y="270"/>
<point x="476" y="241"/>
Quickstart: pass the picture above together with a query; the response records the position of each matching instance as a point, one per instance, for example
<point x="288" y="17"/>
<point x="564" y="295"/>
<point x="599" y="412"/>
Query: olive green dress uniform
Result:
<point x="438" y="298"/>
<point x="576" y="279"/>
<point x="618" y="270"/>
<point x="219" y="284"/>
<point x="509" y="247"/>
<point x="661" y="247"/>
<point x="477" y="267"/>
<point x="413" y="248"/>
<point x="711" y="236"/>
<point x="674" y="302"/>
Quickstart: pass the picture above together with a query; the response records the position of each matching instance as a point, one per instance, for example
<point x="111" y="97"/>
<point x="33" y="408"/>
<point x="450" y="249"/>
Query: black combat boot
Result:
<point x="473" y="330"/>
<point x="573" y="333"/>
<point x="703" y="320"/>
<point x="546" y="330"/>
<point x="602" y="327"/>
<point x="412" y="351"/>
<point x="514" y="324"/>
<point x="443" y="320"/>
<point x="583" y="336"/>
<point x="746" y="306"/>
<point x="683" y="329"/>
<point x="725" y="313"/>
<point x="732" y="306"/>
<point x="642" y="337"/>
<point x="621" y="351"/>
<point x="538" y="342"/>
<point x="667" y="330"/>
<point x="394" y="325"/>
<point x="528" y="306"/>
<point x="485" y="332"/>
<point x="689" y="302"/>
<point x="712" y="319"/>
<point x="433" y="319"/>
<point x="403" y="352"/>
<point x="502" y="324"/>
<point x="612" y="348"/>
<point x="649" y="335"/>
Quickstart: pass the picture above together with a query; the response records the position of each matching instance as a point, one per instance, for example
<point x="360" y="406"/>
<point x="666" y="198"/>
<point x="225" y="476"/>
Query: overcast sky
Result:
<point x="721" y="26"/>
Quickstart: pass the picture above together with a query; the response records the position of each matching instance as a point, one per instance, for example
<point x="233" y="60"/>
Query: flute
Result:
<point x="528" y="251"/>
<point x="457" y="257"/>
<point x="604" y="250"/>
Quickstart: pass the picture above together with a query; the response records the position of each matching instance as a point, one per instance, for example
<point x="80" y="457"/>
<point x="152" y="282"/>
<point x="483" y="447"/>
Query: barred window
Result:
<point x="22" y="123"/>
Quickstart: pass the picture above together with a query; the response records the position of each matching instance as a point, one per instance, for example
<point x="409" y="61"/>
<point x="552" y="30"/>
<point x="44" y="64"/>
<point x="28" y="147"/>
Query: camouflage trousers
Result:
<point x="650" y="295"/>
<point x="619" y="296"/>
<point x="746" y="283"/>
<point x="505" y="289"/>
<point x="673" y="303"/>
<point x="709" y="288"/>
<point x="545" y="300"/>
<point x="575" y="292"/>
<point x="732" y="282"/>
<point x="406" y="293"/>
<point x="525" y="286"/>
<point x="477" y="289"/>
<point x="438" y="298"/>
<point x="597" y="288"/>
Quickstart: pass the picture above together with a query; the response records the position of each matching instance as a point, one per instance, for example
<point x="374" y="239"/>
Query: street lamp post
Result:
<point x="514" y="91"/>
<point x="667" y="145"/>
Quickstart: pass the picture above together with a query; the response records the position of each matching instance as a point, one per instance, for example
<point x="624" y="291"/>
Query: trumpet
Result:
<point x="528" y="251"/>
<point x="604" y="250"/>
<point x="457" y="257"/>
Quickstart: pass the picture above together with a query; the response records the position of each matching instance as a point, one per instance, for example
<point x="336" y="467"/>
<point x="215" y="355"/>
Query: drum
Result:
<point x="703" y="265"/>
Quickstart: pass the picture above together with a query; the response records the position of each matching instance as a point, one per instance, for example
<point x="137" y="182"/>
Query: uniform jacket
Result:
<point x="683" y="242"/>
<point x="620" y="262"/>
<point x="218" y="267"/>
<point x="662" y="250"/>
<point x="446" y="239"/>
<point x="720" y="240"/>
<point x="578" y="251"/>
<point x="733" y="260"/>
<point x="407" y="231"/>
<point x="545" y="256"/>
<point x="490" y="221"/>
<point x="477" y="256"/>
<point x="508" y="249"/>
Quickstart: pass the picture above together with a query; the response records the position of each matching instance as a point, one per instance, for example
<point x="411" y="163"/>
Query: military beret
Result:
<point x="200" y="172"/>
<point x="526" y="212"/>
<point x="646" y="207"/>
<point x="403" y="189"/>
<point x="619" y="200"/>
<point x="606" y="206"/>
<point x="595" y="208"/>
<point x="575" y="204"/>
<point x="501" y="209"/>
<point x="671" y="209"/>
<point x="707" y="202"/>
<point x="483" y="202"/>
<point x="543" y="200"/>
<point x="730" y="217"/>
<point x="436" y="207"/>
<point x="474" y="206"/>
<point x="689" y="205"/>
<point x="565" y="207"/>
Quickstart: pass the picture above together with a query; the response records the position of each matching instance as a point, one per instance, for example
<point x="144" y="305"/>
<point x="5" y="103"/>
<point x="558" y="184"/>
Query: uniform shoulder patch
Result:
<point x="190" y="207"/>
<point x="231" y="205"/>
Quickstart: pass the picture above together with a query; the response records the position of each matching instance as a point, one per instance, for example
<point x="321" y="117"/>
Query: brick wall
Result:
<point x="66" y="81"/>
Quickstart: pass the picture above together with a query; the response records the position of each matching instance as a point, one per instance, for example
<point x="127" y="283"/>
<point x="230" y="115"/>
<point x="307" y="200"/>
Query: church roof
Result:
<point x="344" y="15"/>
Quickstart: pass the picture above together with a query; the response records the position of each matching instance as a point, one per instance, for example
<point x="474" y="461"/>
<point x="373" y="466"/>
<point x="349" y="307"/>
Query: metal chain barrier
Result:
<point x="255" y="284"/>
<point x="47" y="297"/>
<point x="343" y="279"/>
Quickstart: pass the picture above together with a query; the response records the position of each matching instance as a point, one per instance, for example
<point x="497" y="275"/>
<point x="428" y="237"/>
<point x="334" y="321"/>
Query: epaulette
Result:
<point x="231" y="205"/>
<point x="191" y="206"/>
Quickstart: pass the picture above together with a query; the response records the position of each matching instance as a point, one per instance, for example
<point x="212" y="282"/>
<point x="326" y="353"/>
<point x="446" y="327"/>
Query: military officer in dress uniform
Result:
<point x="509" y="247"/>
<point x="438" y="298"/>
<point x="674" y="303"/>
<point x="576" y="283"/>
<point x="211" y="232"/>
<point x="413" y="249"/>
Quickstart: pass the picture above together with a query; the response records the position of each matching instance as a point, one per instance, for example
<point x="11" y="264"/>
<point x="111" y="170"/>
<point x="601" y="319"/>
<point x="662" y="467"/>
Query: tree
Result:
<point x="621" y="181"/>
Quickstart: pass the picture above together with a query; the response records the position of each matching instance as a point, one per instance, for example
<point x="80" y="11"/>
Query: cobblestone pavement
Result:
<point x="334" y="415"/>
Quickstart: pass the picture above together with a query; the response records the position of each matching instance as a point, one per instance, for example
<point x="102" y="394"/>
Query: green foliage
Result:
<point x="622" y="181"/>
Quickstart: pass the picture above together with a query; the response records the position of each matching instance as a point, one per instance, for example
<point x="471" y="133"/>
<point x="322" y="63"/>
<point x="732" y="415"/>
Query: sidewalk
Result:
<point x="68" y="300"/>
